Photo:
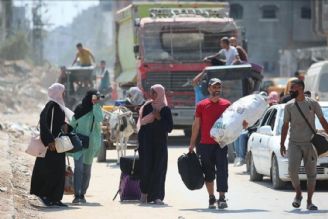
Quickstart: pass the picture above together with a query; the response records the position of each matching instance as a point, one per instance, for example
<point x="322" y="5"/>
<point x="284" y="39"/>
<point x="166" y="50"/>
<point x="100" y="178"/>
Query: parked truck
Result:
<point x="166" y="42"/>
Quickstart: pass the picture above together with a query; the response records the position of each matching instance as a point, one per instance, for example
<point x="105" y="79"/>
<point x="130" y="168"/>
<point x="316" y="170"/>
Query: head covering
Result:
<point x="160" y="100"/>
<point x="273" y="97"/>
<point x="214" y="81"/>
<point x="136" y="96"/>
<point x="157" y="105"/>
<point x="55" y="94"/>
<point x="86" y="105"/>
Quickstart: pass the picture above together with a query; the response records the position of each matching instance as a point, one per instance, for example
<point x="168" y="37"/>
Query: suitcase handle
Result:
<point x="134" y="160"/>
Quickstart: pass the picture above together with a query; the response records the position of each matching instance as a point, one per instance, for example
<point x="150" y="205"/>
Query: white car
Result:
<point x="263" y="153"/>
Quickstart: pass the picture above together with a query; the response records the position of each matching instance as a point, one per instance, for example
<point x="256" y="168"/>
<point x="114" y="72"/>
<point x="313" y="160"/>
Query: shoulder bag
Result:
<point x="318" y="140"/>
<point x="35" y="147"/>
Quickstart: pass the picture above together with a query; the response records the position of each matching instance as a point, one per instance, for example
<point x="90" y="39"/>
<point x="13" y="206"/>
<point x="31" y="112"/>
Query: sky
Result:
<point x="59" y="12"/>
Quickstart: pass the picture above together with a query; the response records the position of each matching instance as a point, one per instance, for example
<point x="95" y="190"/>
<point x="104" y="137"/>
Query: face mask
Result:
<point x="293" y="94"/>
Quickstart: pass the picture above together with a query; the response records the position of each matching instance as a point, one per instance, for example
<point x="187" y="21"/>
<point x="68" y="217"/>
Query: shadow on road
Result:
<point x="149" y="205"/>
<point x="321" y="185"/>
<point x="178" y="141"/>
<point x="225" y="211"/>
<point x="299" y="211"/>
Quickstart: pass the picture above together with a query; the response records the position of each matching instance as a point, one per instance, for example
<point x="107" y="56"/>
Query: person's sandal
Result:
<point x="158" y="202"/>
<point x="297" y="202"/>
<point x="311" y="207"/>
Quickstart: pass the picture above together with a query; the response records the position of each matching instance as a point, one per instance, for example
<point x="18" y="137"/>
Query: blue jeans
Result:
<point x="240" y="145"/>
<point x="82" y="174"/>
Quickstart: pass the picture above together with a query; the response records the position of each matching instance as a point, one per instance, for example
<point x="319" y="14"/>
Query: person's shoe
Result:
<point x="240" y="162"/>
<point x="211" y="202"/>
<point x="45" y="202"/>
<point x="311" y="207"/>
<point x="297" y="202"/>
<point x="76" y="200"/>
<point x="82" y="199"/>
<point x="158" y="202"/>
<point x="237" y="159"/>
<point x="60" y="204"/>
<point x="222" y="203"/>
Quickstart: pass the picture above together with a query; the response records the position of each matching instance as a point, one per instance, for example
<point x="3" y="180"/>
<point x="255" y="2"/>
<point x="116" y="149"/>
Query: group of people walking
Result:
<point x="48" y="176"/>
<point x="153" y="125"/>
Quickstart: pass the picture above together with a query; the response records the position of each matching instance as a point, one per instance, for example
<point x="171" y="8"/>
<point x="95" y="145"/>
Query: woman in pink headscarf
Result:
<point x="154" y="124"/>
<point x="48" y="177"/>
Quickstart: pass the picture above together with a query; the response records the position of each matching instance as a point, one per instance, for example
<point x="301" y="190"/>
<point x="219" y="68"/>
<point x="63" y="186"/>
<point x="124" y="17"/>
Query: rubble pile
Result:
<point x="23" y="87"/>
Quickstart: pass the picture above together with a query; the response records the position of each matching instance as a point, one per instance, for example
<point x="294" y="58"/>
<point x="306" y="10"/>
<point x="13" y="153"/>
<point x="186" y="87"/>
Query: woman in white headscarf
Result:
<point x="48" y="177"/>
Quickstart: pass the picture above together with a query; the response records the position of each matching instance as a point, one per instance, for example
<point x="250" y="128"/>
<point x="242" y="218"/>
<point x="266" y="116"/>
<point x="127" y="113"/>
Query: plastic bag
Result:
<point x="229" y="126"/>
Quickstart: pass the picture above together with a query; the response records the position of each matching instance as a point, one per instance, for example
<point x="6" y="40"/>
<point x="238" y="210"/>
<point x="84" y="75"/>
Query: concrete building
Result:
<point x="271" y="26"/>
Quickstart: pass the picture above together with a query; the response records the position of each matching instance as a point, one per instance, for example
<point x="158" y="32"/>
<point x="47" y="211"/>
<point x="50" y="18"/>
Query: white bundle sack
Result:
<point x="229" y="126"/>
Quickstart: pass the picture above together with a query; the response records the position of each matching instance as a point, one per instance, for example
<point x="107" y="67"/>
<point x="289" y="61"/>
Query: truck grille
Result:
<point x="177" y="81"/>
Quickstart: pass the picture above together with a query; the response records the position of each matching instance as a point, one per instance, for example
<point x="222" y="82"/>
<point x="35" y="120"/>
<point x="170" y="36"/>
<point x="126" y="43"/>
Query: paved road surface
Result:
<point x="245" y="199"/>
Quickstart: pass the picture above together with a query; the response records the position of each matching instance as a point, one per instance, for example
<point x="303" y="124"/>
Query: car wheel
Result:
<point x="277" y="183"/>
<point x="254" y="175"/>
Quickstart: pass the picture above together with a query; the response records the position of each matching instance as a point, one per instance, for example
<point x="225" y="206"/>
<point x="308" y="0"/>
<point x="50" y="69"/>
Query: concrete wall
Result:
<point x="267" y="36"/>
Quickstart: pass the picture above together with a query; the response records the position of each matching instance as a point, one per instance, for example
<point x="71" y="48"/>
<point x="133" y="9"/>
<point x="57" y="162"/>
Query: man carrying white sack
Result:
<point x="213" y="157"/>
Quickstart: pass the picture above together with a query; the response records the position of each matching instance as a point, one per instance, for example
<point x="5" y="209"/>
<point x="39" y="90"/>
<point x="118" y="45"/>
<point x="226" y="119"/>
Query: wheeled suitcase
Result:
<point x="191" y="171"/>
<point x="129" y="186"/>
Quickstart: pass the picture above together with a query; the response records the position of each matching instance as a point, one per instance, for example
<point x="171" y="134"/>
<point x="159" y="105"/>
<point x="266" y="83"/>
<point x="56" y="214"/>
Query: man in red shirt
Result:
<point x="213" y="157"/>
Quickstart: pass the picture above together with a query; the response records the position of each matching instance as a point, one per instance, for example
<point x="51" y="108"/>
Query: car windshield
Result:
<point x="182" y="41"/>
<point x="325" y="114"/>
<point x="323" y="82"/>
<point x="317" y="122"/>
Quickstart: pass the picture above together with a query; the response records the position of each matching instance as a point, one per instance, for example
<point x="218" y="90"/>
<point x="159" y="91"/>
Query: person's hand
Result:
<point x="191" y="148"/>
<point x="52" y="146"/>
<point x="245" y="124"/>
<point x="283" y="150"/>
<point x="157" y="115"/>
<point x="64" y="128"/>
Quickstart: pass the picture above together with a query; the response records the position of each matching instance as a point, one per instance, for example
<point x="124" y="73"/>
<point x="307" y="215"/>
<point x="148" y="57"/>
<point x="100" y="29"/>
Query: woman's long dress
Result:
<point x="153" y="153"/>
<point x="48" y="177"/>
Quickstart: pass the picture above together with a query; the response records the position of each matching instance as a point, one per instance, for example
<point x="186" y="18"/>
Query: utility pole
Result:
<point x="37" y="31"/>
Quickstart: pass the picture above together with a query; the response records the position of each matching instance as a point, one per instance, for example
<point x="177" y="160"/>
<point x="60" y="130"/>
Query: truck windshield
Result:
<point x="183" y="41"/>
<point x="232" y="90"/>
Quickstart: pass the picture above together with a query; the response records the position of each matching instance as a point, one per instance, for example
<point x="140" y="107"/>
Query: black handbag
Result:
<point x="76" y="142"/>
<point x="190" y="170"/>
<point x="85" y="138"/>
<point x="318" y="140"/>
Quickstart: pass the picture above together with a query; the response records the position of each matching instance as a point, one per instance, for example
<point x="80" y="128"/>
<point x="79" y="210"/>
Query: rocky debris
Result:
<point x="23" y="87"/>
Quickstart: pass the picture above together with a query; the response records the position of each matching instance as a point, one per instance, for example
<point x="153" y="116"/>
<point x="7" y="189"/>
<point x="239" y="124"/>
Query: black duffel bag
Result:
<point x="130" y="165"/>
<point x="318" y="140"/>
<point x="191" y="171"/>
<point x="320" y="143"/>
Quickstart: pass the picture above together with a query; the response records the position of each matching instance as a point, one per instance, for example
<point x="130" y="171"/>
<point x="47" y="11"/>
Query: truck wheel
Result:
<point x="277" y="183"/>
<point x="231" y="153"/>
<point x="254" y="176"/>
<point x="102" y="153"/>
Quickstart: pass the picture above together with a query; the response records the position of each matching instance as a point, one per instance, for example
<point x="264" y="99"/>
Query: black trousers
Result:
<point x="215" y="163"/>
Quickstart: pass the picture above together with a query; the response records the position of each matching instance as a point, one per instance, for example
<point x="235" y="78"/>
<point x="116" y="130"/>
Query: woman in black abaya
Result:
<point x="154" y="124"/>
<point x="48" y="177"/>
